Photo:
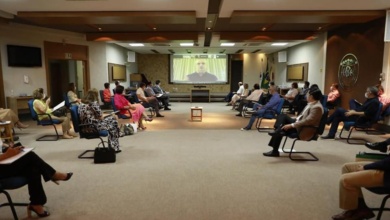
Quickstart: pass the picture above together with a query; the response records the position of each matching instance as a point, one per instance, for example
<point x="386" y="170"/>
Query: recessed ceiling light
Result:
<point x="186" y="44"/>
<point x="137" y="45"/>
<point x="227" y="44"/>
<point x="279" y="44"/>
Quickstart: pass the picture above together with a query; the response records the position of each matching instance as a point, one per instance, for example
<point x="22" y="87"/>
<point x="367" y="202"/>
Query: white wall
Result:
<point x="312" y="52"/>
<point x="254" y="65"/>
<point x="99" y="55"/>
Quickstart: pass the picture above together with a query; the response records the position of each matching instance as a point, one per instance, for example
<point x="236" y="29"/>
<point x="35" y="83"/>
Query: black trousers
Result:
<point x="32" y="167"/>
<point x="281" y="120"/>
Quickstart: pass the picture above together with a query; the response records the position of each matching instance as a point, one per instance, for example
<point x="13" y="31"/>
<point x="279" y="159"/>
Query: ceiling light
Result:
<point x="264" y="28"/>
<point x="227" y="44"/>
<point x="279" y="44"/>
<point x="136" y="44"/>
<point x="154" y="28"/>
<point x="186" y="44"/>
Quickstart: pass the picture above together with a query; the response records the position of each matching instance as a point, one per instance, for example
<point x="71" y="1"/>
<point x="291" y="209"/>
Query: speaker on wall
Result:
<point x="387" y="27"/>
<point x="282" y="56"/>
<point x="131" y="56"/>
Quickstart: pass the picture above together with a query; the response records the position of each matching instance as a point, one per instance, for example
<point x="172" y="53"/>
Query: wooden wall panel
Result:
<point x="365" y="41"/>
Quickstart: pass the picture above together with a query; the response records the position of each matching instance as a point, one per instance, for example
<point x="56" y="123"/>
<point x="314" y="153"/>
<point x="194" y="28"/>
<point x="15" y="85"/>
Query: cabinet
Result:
<point x="200" y="95"/>
<point x="18" y="104"/>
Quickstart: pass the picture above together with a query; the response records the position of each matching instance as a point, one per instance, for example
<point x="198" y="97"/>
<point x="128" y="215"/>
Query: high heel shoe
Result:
<point x="148" y="119"/>
<point x="41" y="215"/>
<point x="68" y="176"/>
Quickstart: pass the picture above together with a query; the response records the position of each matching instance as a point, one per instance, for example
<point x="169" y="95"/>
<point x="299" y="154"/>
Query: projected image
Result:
<point x="199" y="69"/>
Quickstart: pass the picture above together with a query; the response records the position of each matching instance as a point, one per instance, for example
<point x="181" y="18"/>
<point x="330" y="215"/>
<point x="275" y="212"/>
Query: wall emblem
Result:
<point x="348" y="71"/>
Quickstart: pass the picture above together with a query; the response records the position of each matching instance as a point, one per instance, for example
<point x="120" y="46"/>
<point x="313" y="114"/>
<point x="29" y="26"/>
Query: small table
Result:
<point x="7" y="131"/>
<point x="196" y="113"/>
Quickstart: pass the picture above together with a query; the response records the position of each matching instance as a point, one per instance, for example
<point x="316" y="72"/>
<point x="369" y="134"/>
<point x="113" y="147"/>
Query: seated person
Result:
<point x="357" y="175"/>
<point x="251" y="99"/>
<point x="272" y="104"/>
<point x="383" y="99"/>
<point x="42" y="107"/>
<point x="290" y="96"/>
<point x="201" y="74"/>
<point x="301" y="104"/>
<point x="148" y="101"/>
<point x="137" y="110"/>
<point x="9" y="115"/>
<point x="90" y="113"/>
<point x="72" y="96"/>
<point x="229" y="96"/>
<point x="158" y="90"/>
<point x="237" y="96"/>
<point x="362" y="114"/>
<point x="150" y="93"/>
<point x="284" y="125"/>
<point x="305" y="89"/>
<point x="333" y="95"/>
<point x="32" y="168"/>
<point x="107" y="93"/>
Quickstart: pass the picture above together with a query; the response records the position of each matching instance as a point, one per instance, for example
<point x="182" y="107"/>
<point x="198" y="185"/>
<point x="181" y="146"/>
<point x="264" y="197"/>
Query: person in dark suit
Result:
<point x="355" y="176"/>
<point x="201" y="74"/>
<point x="284" y="125"/>
<point x="362" y="114"/>
<point x="158" y="90"/>
<point x="33" y="168"/>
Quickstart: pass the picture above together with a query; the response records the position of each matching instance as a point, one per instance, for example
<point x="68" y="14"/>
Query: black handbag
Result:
<point x="104" y="155"/>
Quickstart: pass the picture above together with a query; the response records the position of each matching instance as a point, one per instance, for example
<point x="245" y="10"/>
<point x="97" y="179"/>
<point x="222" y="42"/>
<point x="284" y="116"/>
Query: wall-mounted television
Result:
<point x="23" y="56"/>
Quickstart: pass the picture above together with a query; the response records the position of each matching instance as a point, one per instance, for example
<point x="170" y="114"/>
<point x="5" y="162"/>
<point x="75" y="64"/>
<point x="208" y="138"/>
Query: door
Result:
<point x="236" y="74"/>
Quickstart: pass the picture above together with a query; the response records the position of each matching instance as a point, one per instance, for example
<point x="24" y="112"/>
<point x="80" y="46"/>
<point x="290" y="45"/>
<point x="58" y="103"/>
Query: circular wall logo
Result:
<point x="348" y="71"/>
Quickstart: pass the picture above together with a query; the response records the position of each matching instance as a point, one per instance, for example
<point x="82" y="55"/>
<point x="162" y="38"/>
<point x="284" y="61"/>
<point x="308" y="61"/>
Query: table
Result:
<point x="18" y="104"/>
<point x="7" y="131"/>
<point x="200" y="95"/>
<point x="196" y="113"/>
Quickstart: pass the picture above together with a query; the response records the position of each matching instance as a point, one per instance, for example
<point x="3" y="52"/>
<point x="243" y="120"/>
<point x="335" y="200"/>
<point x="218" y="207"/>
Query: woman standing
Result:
<point x="137" y="110"/>
<point x="90" y="113"/>
<point x="42" y="107"/>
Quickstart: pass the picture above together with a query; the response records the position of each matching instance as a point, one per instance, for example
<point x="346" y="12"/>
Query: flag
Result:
<point x="265" y="79"/>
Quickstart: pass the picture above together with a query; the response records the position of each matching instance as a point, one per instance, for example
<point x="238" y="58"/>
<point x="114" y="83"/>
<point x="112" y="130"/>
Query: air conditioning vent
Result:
<point x="161" y="45"/>
<point x="253" y="44"/>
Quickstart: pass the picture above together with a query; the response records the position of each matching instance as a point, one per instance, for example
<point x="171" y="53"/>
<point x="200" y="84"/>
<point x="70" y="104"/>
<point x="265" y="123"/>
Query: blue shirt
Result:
<point x="273" y="102"/>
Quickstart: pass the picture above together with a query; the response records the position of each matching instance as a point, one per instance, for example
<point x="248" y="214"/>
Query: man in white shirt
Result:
<point x="239" y="92"/>
<point x="290" y="96"/>
<point x="251" y="99"/>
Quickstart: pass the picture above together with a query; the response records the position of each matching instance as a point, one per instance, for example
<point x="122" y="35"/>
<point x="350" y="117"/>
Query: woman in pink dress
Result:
<point x="137" y="110"/>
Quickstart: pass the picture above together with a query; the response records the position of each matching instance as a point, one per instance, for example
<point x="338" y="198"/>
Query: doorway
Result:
<point x="236" y="74"/>
<point x="63" y="72"/>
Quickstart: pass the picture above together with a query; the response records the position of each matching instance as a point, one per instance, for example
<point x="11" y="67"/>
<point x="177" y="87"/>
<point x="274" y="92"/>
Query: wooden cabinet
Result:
<point x="200" y="95"/>
<point x="18" y="104"/>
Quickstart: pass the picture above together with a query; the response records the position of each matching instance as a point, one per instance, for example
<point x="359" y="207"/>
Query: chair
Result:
<point x="270" y="114"/>
<point x="88" y="131"/>
<point x="66" y="99"/>
<point x="352" y="125"/>
<point x="106" y="105"/>
<point x="46" y="122"/>
<point x="335" y="104"/>
<point x="9" y="184"/>
<point x="323" y="100"/>
<point x="263" y="99"/>
<point x="381" y="191"/>
<point x="121" y="116"/>
<point x="320" y="130"/>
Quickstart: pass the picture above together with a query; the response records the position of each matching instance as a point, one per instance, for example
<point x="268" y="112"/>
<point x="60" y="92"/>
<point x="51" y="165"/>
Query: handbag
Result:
<point x="104" y="155"/>
<point x="128" y="129"/>
<point x="60" y="112"/>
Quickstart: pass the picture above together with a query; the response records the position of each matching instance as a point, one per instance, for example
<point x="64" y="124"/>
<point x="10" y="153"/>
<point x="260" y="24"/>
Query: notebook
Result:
<point x="16" y="157"/>
<point x="59" y="106"/>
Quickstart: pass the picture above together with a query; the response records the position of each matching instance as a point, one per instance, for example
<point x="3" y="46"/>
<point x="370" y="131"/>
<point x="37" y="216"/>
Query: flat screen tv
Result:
<point x="22" y="56"/>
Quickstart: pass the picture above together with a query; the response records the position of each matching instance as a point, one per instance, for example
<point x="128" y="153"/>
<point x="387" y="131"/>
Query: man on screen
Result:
<point x="201" y="74"/>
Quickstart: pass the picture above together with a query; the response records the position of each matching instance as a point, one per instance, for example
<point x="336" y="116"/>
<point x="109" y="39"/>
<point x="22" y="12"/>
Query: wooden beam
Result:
<point x="145" y="37"/>
<point x="265" y="36"/>
<point x="306" y="17"/>
<point x="110" y="17"/>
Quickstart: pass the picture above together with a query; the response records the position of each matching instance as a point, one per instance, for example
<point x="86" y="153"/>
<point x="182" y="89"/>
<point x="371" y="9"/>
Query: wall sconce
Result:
<point x="381" y="77"/>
